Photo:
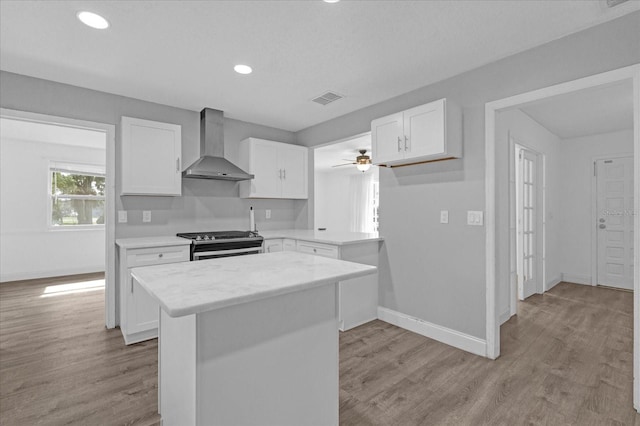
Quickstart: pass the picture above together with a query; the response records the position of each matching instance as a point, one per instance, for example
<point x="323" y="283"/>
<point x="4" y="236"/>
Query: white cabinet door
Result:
<point x="288" y="245"/>
<point x="142" y="309"/>
<point x="293" y="163"/>
<point x="387" y="138"/>
<point x="272" y="246"/>
<point x="424" y="130"/>
<point x="264" y="165"/>
<point x="151" y="156"/>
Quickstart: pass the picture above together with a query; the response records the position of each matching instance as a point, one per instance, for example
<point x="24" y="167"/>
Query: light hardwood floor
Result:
<point x="566" y="359"/>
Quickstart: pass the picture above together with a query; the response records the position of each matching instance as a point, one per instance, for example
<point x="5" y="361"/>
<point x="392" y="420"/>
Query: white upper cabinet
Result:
<point x="425" y="133"/>
<point x="151" y="157"/>
<point x="280" y="169"/>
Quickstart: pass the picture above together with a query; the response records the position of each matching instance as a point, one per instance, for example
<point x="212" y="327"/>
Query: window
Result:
<point x="77" y="195"/>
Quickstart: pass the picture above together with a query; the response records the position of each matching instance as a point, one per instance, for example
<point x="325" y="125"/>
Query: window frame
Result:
<point x="86" y="169"/>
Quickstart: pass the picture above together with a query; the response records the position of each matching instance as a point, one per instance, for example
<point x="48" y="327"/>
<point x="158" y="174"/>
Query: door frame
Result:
<point x="110" y="201"/>
<point x="632" y="73"/>
<point x="594" y="213"/>
<point x="541" y="225"/>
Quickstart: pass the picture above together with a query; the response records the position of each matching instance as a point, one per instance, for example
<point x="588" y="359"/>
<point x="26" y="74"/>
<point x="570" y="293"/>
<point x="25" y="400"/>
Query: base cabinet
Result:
<point x="138" y="310"/>
<point x="358" y="297"/>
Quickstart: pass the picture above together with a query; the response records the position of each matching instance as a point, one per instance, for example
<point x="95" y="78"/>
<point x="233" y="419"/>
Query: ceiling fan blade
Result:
<point x="340" y="165"/>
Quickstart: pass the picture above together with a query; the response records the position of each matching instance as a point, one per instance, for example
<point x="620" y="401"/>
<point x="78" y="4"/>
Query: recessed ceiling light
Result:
<point x="93" y="20"/>
<point x="243" y="69"/>
<point x="331" y="1"/>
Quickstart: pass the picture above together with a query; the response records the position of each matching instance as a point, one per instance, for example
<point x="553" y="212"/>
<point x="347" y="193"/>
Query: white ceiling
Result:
<point x="587" y="112"/>
<point x="30" y="131"/>
<point x="182" y="53"/>
<point x="324" y="158"/>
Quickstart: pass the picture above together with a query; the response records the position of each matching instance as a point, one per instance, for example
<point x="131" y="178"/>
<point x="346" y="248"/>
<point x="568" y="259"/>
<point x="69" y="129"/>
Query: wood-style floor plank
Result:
<point x="566" y="360"/>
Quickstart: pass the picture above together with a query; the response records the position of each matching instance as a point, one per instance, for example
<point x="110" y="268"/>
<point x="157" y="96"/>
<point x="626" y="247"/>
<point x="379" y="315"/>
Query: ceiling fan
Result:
<point x="363" y="161"/>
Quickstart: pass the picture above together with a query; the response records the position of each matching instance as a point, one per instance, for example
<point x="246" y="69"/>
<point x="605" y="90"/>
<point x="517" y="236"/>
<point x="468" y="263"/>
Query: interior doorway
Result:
<point x="73" y="174"/>
<point x="497" y="202"/>
<point x="346" y="186"/>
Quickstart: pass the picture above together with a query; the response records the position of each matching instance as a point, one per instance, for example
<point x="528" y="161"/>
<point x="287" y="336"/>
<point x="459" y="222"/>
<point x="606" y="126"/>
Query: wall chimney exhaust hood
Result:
<point x="212" y="164"/>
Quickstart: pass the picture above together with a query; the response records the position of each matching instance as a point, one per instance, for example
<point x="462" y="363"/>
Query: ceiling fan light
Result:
<point x="363" y="167"/>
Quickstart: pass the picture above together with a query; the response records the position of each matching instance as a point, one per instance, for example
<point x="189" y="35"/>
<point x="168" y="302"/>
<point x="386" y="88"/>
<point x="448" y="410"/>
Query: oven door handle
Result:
<point x="197" y="255"/>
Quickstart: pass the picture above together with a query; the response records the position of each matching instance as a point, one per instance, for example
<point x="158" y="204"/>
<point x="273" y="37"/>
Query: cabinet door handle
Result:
<point x="131" y="284"/>
<point x="405" y="142"/>
<point x="160" y="255"/>
<point x="399" y="149"/>
<point x="178" y="164"/>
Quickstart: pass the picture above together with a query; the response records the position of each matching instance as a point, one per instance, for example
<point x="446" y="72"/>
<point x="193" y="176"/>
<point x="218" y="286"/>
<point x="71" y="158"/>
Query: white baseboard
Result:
<point x="576" y="279"/>
<point x="553" y="282"/>
<point x="446" y="335"/>
<point x="32" y="275"/>
<point x="504" y="317"/>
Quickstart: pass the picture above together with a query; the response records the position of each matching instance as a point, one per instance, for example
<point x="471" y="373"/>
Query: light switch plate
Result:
<point x="122" y="216"/>
<point x="475" y="218"/>
<point x="444" y="216"/>
<point x="267" y="213"/>
<point x="146" y="215"/>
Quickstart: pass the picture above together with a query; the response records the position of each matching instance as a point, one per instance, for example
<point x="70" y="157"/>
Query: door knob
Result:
<point x="601" y="220"/>
<point x="602" y="226"/>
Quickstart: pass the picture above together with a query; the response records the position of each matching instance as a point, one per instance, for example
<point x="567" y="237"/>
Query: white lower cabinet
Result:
<point x="288" y="244"/>
<point x="272" y="246"/>
<point x="358" y="297"/>
<point x="138" y="310"/>
<point x="278" y="244"/>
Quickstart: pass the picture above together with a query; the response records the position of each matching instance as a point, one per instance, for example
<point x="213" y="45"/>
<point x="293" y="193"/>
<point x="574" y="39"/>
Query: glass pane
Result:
<point x="65" y="211"/>
<point x="71" y="199"/>
<point x="76" y="184"/>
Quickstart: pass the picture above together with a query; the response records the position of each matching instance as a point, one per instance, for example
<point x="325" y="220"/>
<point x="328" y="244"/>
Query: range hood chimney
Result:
<point x="212" y="164"/>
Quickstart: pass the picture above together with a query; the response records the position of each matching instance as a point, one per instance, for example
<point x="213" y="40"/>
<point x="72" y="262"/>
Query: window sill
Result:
<point x="76" y="228"/>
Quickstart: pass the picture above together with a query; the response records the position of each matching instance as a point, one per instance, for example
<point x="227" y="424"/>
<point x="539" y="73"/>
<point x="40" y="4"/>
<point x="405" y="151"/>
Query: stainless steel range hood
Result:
<point x="212" y="164"/>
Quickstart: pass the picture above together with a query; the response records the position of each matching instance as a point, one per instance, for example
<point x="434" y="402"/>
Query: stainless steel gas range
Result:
<point x="210" y="245"/>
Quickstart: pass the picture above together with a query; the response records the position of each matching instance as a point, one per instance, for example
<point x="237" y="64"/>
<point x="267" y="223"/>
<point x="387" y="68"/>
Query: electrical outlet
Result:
<point x="122" y="216"/>
<point x="146" y="215"/>
<point x="475" y="218"/>
<point x="267" y="213"/>
<point x="444" y="216"/>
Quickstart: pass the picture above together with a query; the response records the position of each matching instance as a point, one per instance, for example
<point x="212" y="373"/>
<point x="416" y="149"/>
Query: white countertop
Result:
<point x="187" y="288"/>
<point x="143" y="242"/>
<point x="327" y="237"/>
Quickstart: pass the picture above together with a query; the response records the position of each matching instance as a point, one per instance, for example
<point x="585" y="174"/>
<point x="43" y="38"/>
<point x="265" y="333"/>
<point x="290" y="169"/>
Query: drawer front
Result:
<point x="325" y="250"/>
<point x="157" y="256"/>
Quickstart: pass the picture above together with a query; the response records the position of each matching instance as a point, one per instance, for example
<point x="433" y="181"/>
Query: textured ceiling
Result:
<point x="181" y="53"/>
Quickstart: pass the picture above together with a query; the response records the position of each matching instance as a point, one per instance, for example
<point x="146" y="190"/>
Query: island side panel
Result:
<point x="177" y="370"/>
<point x="272" y="361"/>
<point x="359" y="296"/>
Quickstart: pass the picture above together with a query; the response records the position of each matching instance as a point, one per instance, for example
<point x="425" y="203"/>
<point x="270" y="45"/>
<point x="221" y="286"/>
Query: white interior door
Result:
<point x="614" y="189"/>
<point x="527" y="223"/>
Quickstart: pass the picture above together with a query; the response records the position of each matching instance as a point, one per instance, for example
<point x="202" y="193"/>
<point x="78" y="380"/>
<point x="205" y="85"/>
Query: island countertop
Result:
<point x="328" y="237"/>
<point x="187" y="288"/>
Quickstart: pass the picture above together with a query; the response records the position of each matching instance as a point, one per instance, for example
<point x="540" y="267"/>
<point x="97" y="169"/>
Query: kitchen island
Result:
<point x="249" y="340"/>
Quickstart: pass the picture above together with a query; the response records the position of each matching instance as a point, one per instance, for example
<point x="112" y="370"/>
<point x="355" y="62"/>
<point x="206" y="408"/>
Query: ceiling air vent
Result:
<point x="327" y="98"/>
<point x="613" y="3"/>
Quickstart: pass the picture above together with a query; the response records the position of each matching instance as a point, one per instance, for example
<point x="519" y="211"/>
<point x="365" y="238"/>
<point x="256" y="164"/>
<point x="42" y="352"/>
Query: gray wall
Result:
<point x="437" y="272"/>
<point x="205" y="205"/>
